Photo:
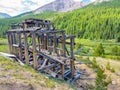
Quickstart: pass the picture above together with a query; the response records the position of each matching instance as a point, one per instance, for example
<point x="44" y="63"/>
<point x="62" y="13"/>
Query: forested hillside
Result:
<point x="6" y="23"/>
<point x="97" y="21"/>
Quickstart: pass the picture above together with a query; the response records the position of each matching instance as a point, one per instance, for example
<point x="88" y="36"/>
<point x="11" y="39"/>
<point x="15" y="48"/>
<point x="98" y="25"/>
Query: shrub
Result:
<point x="99" y="51"/>
<point x="108" y="66"/>
<point x="112" y="70"/>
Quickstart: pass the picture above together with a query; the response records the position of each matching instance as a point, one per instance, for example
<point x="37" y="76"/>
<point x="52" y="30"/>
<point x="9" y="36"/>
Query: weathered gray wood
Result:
<point x="48" y="52"/>
<point x="26" y="48"/>
<point x="50" y="57"/>
<point x="55" y="43"/>
<point x="62" y="70"/>
<point x="20" y="45"/>
<point x="9" y="43"/>
<point x="72" y="68"/>
<point x="63" y="44"/>
<point x="34" y="50"/>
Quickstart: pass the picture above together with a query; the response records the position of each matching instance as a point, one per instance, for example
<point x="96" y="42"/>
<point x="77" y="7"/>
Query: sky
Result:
<point x="16" y="7"/>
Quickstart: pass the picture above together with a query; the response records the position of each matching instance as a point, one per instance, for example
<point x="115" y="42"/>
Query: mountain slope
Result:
<point x="96" y="21"/>
<point x="4" y="15"/>
<point x="99" y="21"/>
<point x="62" y="6"/>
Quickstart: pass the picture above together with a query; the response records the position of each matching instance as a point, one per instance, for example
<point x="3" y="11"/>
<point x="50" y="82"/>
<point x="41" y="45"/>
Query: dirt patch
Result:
<point x="87" y="77"/>
<point x="16" y="87"/>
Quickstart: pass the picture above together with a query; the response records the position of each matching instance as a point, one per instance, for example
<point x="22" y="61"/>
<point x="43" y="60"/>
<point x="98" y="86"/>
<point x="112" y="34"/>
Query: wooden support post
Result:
<point x="26" y="48"/>
<point x="62" y="70"/>
<point x="20" y="45"/>
<point x="14" y="42"/>
<point x="71" y="47"/>
<point x="72" y="67"/>
<point x="39" y="43"/>
<point x="35" y="62"/>
<point x="47" y="41"/>
<point x="55" y="43"/>
<point x="72" y="56"/>
<point x="10" y="43"/>
<point x="14" y="38"/>
<point x="63" y="44"/>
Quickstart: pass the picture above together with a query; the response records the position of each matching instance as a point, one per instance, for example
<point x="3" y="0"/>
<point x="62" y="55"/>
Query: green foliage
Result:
<point x="6" y="23"/>
<point x="100" y="83"/>
<point x="99" y="21"/>
<point x="115" y="50"/>
<point x="112" y="70"/>
<point x="108" y="67"/>
<point x="99" y="51"/>
<point x="78" y="45"/>
<point x="94" y="63"/>
<point x="118" y="39"/>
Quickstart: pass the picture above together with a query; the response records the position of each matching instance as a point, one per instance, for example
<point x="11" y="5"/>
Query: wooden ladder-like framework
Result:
<point x="37" y="43"/>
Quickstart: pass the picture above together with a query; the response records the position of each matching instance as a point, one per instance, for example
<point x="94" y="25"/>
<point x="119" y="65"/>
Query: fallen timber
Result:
<point x="37" y="43"/>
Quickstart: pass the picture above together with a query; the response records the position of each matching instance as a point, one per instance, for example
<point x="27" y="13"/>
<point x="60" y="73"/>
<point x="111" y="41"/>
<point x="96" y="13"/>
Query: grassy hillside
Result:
<point x="16" y="77"/>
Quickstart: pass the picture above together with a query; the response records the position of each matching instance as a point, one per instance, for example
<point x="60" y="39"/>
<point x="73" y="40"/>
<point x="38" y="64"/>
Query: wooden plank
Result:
<point x="35" y="62"/>
<point x="62" y="70"/>
<point x="71" y="47"/>
<point x="14" y="42"/>
<point x="26" y="48"/>
<point x="38" y="43"/>
<point x="63" y="44"/>
<point x="50" y="57"/>
<point x="20" y="45"/>
<point x="47" y="67"/>
<point x="9" y="42"/>
<point x="72" y="68"/>
<point x="47" y="34"/>
<point x="55" y="43"/>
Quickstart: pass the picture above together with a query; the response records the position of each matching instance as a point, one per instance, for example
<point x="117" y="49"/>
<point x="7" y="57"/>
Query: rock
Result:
<point x="114" y="82"/>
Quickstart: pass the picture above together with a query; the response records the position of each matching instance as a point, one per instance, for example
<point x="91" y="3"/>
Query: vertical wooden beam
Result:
<point x="20" y="45"/>
<point x="72" y="67"/>
<point x="9" y="42"/>
<point x="26" y="48"/>
<point x="35" y="62"/>
<point x="63" y="44"/>
<point x="38" y="43"/>
<point x="72" y="56"/>
<point x="14" y="42"/>
<point x="62" y="70"/>
<point x="71" y="47"/>
<point x="14" y="38"/>
<point x="47" y="40"/>
<point x="55" y="43"/>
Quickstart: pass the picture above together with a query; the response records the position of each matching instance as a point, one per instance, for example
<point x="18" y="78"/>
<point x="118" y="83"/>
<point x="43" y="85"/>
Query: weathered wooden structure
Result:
<point x="37" y="43"/>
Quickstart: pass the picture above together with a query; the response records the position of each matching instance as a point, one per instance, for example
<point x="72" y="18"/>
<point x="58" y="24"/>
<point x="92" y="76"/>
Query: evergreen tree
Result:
<point x="99" y="51"/>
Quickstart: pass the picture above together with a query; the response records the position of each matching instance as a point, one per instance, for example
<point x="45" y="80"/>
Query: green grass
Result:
<point x="14" y="70"/>
<point x="3" y="45"/>
<point x="88" y="47"/>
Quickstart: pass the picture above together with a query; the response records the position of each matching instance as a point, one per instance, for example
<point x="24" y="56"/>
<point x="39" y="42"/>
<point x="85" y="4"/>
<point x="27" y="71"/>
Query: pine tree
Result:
<point x="99" y="51"/>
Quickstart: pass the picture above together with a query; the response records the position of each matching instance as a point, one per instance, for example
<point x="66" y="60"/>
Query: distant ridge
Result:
<point x="4" y="15"/>
<point x="62" y="6"/>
